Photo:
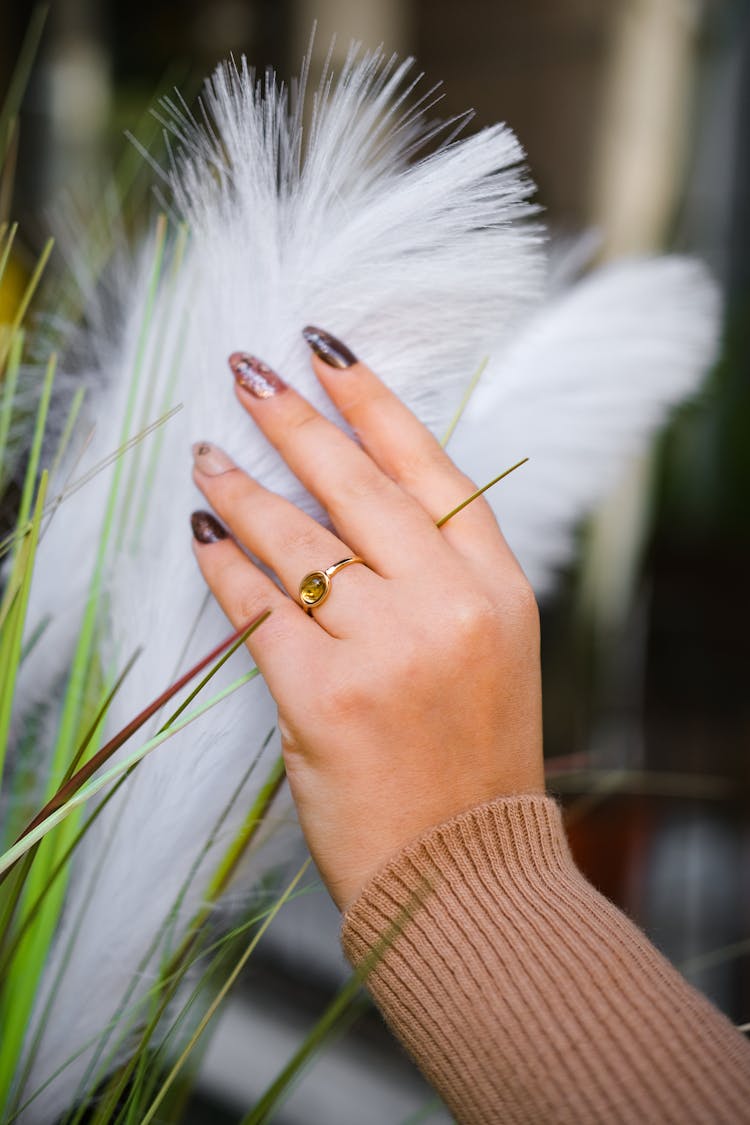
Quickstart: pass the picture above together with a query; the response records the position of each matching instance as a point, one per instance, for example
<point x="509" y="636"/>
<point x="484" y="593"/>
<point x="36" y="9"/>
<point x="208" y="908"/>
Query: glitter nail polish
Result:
<point x="255" y="376"/>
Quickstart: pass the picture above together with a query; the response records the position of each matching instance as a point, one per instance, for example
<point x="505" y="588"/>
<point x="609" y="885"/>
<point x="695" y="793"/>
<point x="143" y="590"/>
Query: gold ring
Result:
<point x="316" y="586"/>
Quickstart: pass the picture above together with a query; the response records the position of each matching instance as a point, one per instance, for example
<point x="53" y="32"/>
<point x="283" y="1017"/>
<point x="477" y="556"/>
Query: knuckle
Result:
<point x="247" y="606"/>
<point x="364" y="484"/>
<point x="303" y="542"/>
<point x="345" y="697"/>
<point x="302" y="419"/>
<point x="419" y="461"/>
<point x="468" y="487"/>
<point x="478" y="619"/>
<point x="471" y="613"/>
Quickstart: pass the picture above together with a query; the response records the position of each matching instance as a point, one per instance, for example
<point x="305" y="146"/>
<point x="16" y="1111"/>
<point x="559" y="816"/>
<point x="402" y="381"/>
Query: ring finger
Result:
<point x="285" y="539"/>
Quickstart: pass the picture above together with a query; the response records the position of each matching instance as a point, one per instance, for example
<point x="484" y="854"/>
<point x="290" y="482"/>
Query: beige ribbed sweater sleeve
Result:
<point x="524" y="996"/>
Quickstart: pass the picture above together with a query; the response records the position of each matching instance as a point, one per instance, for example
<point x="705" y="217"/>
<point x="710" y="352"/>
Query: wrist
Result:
<point x="521" y="831"/>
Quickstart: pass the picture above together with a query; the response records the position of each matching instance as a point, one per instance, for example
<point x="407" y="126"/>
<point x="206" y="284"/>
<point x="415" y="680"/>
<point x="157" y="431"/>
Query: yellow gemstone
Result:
<point x="313" y="587"/>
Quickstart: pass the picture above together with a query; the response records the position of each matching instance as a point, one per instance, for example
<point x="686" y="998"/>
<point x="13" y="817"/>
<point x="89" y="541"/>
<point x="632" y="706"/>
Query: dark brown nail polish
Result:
<point x="206" y="528"/>
<point x="255" y="376"/>
<point x="328" y="348"/>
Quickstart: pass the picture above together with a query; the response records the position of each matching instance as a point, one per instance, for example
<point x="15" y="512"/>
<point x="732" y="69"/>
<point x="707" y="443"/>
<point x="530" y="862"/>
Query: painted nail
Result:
<point x="211" y="460"/>
<point x="328" y="348"/>
<point x="206" y="528"/>
<point x="255" y="376"/>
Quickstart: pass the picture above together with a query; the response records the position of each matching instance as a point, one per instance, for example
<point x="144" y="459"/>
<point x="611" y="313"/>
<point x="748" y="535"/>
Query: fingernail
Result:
<point x="255" y="376"/>
<point x="211" y="460"/>
<point x="328" y="348"/>
<point x="206" y="528"/>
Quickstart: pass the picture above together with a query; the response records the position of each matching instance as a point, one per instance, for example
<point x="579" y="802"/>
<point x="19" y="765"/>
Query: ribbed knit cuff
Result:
<point x="524" y="995"/>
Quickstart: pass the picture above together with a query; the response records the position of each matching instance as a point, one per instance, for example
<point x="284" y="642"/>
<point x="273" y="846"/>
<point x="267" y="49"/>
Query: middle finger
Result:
<point x="370" y="511"/>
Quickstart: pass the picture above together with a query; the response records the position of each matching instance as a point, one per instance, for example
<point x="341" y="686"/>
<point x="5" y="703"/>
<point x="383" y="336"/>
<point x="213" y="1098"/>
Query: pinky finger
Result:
<point x="244" y="592"/>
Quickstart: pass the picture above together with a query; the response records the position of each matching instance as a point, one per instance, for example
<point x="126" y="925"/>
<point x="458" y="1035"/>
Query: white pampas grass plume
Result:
<point x="580" y="390"/>
<point x="423" y="268"/>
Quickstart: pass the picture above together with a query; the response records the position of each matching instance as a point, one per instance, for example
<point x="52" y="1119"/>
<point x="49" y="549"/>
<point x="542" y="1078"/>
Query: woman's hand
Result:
<point x="413" y="692"/>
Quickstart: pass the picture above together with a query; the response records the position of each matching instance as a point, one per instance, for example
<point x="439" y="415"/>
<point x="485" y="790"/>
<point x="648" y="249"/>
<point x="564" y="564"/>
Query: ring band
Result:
<point x="316" y="586"/>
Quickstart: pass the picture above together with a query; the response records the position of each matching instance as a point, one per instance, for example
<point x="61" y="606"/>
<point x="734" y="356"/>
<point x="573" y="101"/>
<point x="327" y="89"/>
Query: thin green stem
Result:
<point x="89" y="475"/>
<point x="140" y="353"/>
<point x="20" y="78"/>
<point x="335" y="1013"/>
<point x="213" y="1007"/>
<point x="473" y="383"/>
<point x="338" y="1015"/>
<point x="11" y="638"/>
<point x="120" y="1015"/>
<point x="12" y="855"/>
<point x="169" y="979"/>
<point x="35" y="453"/>
<point x="464" y="503"/>
<point x="10" y="236"/>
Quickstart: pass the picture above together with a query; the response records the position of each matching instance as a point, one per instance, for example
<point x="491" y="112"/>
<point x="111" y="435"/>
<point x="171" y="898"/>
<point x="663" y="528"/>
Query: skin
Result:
<point x="414" y="692"/>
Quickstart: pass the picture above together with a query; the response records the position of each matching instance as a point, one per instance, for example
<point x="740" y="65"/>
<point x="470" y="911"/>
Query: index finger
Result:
<point x="375" y="518"/>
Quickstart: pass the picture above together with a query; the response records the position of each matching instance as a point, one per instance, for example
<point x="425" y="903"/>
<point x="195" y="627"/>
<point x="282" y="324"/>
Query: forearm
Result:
<point x="525" y="996"/>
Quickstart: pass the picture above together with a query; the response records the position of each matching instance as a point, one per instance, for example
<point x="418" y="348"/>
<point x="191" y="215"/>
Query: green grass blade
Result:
<point x="64" y="442"/>
<point x="40" y="426"/>
<point x="473" y="384"/>
<point x="7" y="402"/>
<point x="34" y="907"/>
<point x="247" y="831"/>
<point x="8" y="171"/>
<point x="60" y="866"/>
<point x="131" y="1014"/>
<point x="110" y="459"/>
<point x="140" y="354"/>
<point x="10" y="540"/>
<point x="465" y="503"/>
<point x="152" y="382"/>
<point x="74" y="779"/>
<point x="20" y="78"/>
<point x="38" y="632"/>
<point x="213" y="1007"/>
<point x="79" y="701"/>
<point x="170" y="978"/>
<point x="9" y="900"/>
<point x="149" y="490"/>
<point x="12" y="855"/>
<point x="10" y="653"/>
<point x="10" y="237"/>
<point x="347" y="1006"/>
<point x="341" y="1010"/>
<point x="11" y="637"/>
<point x="80" y="798"/>
<point x="12" y="591"/>
<point x="90" y="735"/>
<point x="13" y="613"/>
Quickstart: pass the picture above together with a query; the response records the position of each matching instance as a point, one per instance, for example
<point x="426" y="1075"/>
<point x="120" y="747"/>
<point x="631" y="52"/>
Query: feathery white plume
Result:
<point x="579" y="390"/>
<point x="423" y="269"/>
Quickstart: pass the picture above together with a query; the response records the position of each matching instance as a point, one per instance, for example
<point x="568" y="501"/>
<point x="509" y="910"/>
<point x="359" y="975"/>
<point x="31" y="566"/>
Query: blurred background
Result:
<point x="635" y="116"/>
